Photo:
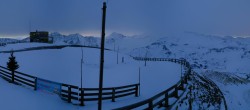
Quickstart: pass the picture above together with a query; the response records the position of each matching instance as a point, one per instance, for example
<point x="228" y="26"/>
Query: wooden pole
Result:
<point x="102" y="57"/>
<point x="81" y="80"/>
<point x="139" y="81"/>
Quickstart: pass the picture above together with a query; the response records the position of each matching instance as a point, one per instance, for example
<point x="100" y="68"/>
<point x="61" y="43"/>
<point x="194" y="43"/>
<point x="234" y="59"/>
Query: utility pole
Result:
<point x="102" y="56"/>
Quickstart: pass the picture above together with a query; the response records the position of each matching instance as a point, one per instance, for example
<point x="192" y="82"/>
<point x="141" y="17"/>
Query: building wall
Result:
<point x="39" y="37"/>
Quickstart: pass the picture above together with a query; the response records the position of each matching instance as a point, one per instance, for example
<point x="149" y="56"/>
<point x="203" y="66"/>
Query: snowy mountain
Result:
<point x="222" y="59"/>
<point x="7" y="40"/>
<point x="113" y="41"/>
<point x="203" y="51"/>
<point x="74" y="39"/>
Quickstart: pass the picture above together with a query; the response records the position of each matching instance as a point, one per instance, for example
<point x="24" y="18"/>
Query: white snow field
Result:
<point x="63" y="65"/>
<point x="236" y="89"/>
<point x="237" y="96"/>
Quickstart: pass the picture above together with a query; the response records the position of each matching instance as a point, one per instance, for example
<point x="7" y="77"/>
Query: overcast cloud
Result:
<point x="223" y="17"/>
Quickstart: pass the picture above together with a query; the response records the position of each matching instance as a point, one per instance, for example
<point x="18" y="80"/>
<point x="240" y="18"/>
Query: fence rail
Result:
<point x="70" y="93"/>
<point x="18" y="77"/>
<point x="162" y="99"/>
<point x="49" y="47"/>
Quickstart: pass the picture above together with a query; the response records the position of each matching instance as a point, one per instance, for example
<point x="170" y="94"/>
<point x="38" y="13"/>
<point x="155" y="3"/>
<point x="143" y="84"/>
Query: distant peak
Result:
<point x="76" y="35"/>
<point x="55" y="34"/>
<point x="116" y="35"/>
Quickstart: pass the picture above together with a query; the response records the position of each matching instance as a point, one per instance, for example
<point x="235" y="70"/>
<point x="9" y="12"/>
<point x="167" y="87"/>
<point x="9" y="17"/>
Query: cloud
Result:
<point x="227" y="17"/>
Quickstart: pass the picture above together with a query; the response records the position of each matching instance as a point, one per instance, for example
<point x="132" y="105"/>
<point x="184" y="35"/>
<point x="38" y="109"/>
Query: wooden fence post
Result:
<point x="82" y="97"/>
<point x="150" y="105"/>
<point x="35" y="87"/>
<point x="176" y="92"/>
<point x="137" y="90"/>
<point x="69" y="94"/>
<point x="166" y="100"/>
<point x="113" y="94"/>
<point x="185" y="80"/>
<point x="181" y="87"/>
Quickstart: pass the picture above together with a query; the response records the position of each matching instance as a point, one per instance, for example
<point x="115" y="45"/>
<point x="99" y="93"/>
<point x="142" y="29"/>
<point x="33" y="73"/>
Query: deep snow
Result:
<point x="225" y="54"/>
<point x="63" y="65"/>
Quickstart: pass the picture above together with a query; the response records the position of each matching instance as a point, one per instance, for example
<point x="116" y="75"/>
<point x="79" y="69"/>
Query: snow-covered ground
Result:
<point x="63" y="65"/>
<point x="223" y="54"/>
<point x="15" y="97"/>
<point x="237" y="96"/>
<point x="235" y="88"/>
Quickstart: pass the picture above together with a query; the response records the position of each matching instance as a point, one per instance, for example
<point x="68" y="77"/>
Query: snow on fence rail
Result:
<point x="162" y="99"/>
<point x="68" y="92"/>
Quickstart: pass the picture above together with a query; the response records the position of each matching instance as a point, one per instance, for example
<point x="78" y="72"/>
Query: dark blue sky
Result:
<point x="223" y="17"/>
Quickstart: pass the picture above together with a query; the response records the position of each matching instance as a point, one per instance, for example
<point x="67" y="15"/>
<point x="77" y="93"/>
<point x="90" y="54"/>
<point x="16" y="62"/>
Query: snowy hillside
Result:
<point x="63" y="65"/>
<point x="113" y="41"/>
<point x="203" y="51"/>
<point x="4" y="41"/>
<point x="222" y="59"/>
<point x="235" y="87"/>
<point x="7" y="40"/>
<point x="216" y="53"/>
<point x="75" y="39"/>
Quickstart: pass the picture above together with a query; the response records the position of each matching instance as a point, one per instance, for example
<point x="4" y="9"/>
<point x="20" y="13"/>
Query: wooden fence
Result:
<point x="48" y="47"/>
<point x="162" y="99"/>
<point x="18" y="77"/>
<point x="73" y="93"/>
<point x="69" y="92"/>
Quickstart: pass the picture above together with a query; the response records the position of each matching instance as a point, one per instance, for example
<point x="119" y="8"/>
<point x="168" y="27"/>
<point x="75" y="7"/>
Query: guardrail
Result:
<point x="162" y="99"/>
